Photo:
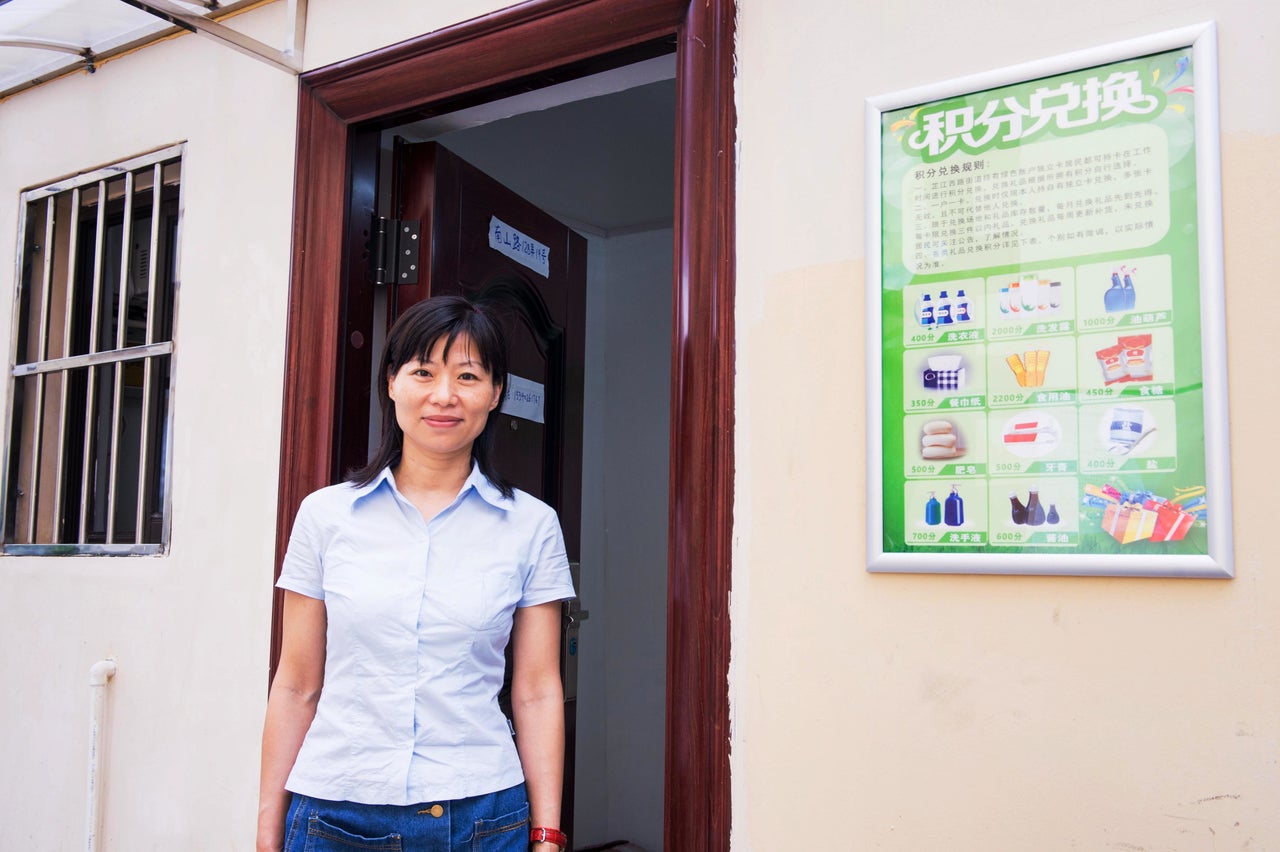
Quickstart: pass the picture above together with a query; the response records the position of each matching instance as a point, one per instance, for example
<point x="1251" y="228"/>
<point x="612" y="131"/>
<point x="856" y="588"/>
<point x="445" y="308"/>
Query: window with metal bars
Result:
<point x="87" y="465"/>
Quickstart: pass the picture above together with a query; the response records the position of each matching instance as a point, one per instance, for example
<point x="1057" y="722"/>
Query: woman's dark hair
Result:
<point x="412" y="337"/>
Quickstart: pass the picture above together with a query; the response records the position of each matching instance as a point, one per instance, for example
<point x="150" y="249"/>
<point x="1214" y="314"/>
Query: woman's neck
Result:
<point x="431" y="483"/>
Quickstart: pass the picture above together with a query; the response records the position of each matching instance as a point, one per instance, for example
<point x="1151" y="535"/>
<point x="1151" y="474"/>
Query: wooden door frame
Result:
<point x="482" y="55"/>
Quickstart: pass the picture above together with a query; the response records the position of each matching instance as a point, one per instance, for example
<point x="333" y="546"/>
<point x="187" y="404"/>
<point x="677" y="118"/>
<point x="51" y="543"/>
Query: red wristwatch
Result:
<point x="549" y="835"/>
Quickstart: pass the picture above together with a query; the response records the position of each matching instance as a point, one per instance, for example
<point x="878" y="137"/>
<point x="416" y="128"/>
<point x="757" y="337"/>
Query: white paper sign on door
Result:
<point x="524" y="398"/>
<point x="523" y="249"/>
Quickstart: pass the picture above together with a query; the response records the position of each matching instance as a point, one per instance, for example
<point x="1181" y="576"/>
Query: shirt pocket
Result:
<point x="480" y="594"/>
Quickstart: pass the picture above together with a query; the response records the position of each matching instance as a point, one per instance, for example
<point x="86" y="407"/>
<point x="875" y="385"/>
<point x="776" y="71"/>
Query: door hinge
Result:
<point x="393" y="250"/>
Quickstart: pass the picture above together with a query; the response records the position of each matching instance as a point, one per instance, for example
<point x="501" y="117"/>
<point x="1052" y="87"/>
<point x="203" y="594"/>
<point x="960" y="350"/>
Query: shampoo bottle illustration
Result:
<point x="942" y="313"/>
<point x="953" y="514"/>
<point x="1030" y="293"/>
<point x="1055" y="294"/>
<point x="932" y="511"/>
<point x="960" y="307"/>
<point x="924" y="311"/>
<point x="1015" y="298"/>
<point x="1019" y="510"/>
<point x="1035" y="512"/>
<point x="1004" y="300"/>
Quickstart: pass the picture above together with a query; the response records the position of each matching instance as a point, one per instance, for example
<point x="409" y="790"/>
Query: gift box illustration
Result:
<point x="1144" y="516"/>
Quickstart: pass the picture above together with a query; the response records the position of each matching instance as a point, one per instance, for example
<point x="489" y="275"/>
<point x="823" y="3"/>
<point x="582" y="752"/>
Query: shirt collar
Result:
<point x="476" y="481"/>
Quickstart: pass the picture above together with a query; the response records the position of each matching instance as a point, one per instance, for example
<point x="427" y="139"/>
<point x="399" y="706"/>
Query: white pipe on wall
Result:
<point x="99" y="674"/>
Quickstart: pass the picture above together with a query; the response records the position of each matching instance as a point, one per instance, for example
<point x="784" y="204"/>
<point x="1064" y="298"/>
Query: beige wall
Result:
<point x="915" y="713"/>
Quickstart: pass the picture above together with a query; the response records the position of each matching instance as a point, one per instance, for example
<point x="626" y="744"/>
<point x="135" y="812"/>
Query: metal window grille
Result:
<point x="87" y="465"/>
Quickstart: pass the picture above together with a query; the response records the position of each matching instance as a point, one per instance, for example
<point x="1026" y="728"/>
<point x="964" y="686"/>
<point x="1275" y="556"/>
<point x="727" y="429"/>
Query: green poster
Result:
<point x="1042" y="386"/>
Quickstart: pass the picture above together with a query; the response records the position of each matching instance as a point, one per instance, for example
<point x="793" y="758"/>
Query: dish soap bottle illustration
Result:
<point x="1130" y="298"/>
<point x="953" y="514"/>
<point x="1019" y="510"/>
<point x="932" y="511"/>
<point x="1114" y="299"/>
<point x="1052" y="517"/>
<point x="1035" y="512"/>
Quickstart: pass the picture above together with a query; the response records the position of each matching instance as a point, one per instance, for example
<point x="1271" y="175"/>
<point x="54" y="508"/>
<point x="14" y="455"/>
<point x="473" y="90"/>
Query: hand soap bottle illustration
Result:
<point x="932" y="511"/>
<point x="953" y="513"/>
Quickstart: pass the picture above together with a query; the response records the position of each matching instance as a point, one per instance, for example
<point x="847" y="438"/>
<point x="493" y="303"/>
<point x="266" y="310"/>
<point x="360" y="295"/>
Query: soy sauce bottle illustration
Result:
<point x="953" y="512"/>
<point x="1017" y="510"/>
<point x="1035" y="511"/>
<point x="932" y="511"/>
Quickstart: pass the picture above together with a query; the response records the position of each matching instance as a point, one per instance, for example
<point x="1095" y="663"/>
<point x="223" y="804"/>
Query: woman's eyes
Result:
<point x="423" y="373"/>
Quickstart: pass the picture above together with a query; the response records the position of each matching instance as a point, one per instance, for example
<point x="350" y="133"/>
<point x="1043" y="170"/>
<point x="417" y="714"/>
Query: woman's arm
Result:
<point x="290" y="708"/>
<point x="537" y="702"/>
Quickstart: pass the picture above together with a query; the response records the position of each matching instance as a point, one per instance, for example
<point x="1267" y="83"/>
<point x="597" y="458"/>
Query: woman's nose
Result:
<point x="442" y="391"/>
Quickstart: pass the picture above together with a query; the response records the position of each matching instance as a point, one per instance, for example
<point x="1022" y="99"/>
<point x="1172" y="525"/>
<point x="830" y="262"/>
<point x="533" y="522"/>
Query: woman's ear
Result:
<point x="391" y="377"/>
<point x="497" y="395"/>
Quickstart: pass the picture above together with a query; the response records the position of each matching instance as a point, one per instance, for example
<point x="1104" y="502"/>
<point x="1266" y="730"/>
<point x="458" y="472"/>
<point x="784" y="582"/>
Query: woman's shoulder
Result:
<point x="526" y="505"/>
<point x="330" y="498"/>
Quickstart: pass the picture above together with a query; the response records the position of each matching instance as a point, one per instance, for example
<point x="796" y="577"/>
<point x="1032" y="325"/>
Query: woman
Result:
<point x="402" y="588"/>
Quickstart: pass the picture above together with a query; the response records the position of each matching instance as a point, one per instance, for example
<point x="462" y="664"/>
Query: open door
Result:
<point x="457" y="230"/>
<point x="341" y="111"/>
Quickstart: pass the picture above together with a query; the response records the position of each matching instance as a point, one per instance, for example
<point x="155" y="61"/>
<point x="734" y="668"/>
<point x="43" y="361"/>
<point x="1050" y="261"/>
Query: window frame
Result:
<point x="162" y="220"/>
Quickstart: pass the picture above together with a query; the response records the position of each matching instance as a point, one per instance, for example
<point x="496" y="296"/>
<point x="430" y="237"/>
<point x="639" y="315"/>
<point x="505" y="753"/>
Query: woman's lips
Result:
<point x="443" y="421"/>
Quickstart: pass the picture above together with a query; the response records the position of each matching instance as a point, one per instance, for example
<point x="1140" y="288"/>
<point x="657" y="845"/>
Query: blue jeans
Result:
<point x="494" y="822"/>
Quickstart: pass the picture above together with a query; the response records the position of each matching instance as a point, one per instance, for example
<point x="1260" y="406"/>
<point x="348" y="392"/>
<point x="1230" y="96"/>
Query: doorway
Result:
<point x="342" y="111"/>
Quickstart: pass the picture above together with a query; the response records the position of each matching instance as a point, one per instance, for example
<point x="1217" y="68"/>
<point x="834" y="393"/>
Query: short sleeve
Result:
<point x="303" y="568"/>
<point x="548" y="578"/>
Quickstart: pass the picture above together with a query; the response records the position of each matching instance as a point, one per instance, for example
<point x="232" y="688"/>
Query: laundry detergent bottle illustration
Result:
<point x="942" y="311"/>
<point x="932" y="511"/>
<point x="924" y="311"/>
<point x="960" y="307"/>
<point x="953" y="513"/>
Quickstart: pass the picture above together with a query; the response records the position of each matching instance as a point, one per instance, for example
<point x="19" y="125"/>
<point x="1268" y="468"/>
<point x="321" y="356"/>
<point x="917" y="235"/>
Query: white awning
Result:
<point x="44" y="39"/>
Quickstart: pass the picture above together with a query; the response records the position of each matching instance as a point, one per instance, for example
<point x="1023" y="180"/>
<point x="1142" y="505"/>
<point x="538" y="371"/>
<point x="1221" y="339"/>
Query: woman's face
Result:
<point x="442" y="405"/>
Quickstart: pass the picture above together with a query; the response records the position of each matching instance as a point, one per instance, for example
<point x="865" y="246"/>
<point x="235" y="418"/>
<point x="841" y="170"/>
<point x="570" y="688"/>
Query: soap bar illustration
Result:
<point x="939" y="439"/>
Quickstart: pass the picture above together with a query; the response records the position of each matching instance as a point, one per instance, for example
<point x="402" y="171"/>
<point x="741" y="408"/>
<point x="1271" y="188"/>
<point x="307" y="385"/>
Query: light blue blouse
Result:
<point x="419" y="615"/>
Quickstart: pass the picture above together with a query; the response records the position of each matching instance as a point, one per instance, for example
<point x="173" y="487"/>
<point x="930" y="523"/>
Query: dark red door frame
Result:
<point x="485" y="54"/>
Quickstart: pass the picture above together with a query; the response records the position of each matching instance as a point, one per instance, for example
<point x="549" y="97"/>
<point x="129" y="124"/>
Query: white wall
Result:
<point x="622" y="682"/>
<point x="191" y="628"/>
<point x="912" y="713"/>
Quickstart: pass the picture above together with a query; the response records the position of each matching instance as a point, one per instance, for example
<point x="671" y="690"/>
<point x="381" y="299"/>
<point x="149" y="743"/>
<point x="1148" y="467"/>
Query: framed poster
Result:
<point x="1047" y="357"/>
